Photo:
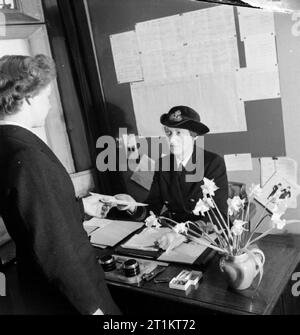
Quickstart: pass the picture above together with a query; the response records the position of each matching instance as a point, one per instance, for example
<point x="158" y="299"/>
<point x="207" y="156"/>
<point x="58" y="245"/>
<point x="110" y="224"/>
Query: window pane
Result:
<point x="32" y="40"/>
<point x="22" y="11"/>
<point x="7" y="4"/>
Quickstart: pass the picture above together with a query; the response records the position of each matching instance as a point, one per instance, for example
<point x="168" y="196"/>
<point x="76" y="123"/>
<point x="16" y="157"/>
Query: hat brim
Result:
<point x="195" y="126"/>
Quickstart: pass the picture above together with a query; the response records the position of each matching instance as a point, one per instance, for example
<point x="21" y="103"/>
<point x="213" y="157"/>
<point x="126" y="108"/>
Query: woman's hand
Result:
<point x="93" y="206"/>
<point x="128" y="198"/>
<point x="170" y="241"/>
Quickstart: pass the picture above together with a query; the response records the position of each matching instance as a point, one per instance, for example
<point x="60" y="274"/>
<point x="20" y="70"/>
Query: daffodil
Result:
<point x="235" y="204"/>
<point x="277" y="221"/>
<point x="152" y="221"/>
<point x="238" y="227"/>
<point x="255" y="191"/>
<point x="209" y="187"/>
<point x="181" y="228"/>
<point x="201" y="207"/>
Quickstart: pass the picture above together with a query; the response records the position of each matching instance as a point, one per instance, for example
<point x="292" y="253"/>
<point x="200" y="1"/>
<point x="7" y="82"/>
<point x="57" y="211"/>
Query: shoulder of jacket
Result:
<point x="212" y="156"/>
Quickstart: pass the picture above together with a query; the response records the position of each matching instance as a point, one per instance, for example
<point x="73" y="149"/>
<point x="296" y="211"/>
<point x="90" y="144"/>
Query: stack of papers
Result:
<point x="111" y="232"/>
<point x="187" y="252"/>
<point x="146" y="239"/>
<point x="184" y="253"/>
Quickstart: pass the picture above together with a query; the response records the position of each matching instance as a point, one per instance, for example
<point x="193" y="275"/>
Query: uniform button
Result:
<point x="192" y="200"/>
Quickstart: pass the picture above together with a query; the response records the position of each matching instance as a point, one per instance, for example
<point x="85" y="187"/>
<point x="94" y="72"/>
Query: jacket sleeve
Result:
<point x="217" y="171"/>
<point x="45" y="199"/>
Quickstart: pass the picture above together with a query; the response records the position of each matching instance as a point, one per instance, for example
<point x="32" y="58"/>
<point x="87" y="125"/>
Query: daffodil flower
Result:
<point x="209" y="187"/>
<point x="181" y="228"/>
<point x="152" y="221"/>
<point x="237" y="228"/>
<point x="277" y="221"/>
<point x="255" y="191"/>
<point x="201" y="207"/>
<point x="235" y="204"/>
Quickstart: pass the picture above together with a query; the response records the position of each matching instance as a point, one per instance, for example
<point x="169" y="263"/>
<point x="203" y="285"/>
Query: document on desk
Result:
<point x="186" y="252"/>
<point x="113" y="232"/>
<point x="146" y="239"/>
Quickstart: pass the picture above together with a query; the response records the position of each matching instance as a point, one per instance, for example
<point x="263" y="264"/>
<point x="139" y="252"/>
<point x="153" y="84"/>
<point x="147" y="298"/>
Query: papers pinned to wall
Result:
<point x="255" y="22"/>
<point x="258" y="84"/>
<point x="201" y="41"/>
<point x="126" y="57"/>
<point x="279" y="188"/>
<point x="213" y="96"/>
<point x="283" y="171"/>
<point x="238" y="162"/>
<point x="261" y="51"/>
<point x="286" y="166"/>
<point x="208" y="24"/>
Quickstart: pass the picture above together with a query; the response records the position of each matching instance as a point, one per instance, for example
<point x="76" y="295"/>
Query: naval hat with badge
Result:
<point x="184" y="117"/>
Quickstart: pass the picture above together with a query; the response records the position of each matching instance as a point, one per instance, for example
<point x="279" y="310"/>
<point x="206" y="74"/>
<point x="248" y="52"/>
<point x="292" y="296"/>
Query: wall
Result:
<point x="114" y="16"/>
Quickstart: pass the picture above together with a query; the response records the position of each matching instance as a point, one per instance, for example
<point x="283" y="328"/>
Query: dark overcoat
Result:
<point x="57" y="265"/>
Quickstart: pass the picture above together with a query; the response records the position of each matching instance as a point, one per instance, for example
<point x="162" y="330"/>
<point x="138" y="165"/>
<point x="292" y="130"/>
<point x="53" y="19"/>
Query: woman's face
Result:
<point x="180" y="140"/>
<point x="40" y="107"/>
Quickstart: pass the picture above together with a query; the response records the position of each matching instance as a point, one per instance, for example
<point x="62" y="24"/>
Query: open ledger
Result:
<point x="108" y="233"/>
<point x="186" y="252"/>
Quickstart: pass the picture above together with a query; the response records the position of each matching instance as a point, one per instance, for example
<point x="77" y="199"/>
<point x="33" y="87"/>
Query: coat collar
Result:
<point x="26" y="136"/>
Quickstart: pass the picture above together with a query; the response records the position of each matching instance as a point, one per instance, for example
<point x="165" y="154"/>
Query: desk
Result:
<point x="213" y="295"/>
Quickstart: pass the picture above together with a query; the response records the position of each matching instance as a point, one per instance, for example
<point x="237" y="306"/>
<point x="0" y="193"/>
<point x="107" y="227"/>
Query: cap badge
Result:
<point x="176" y="116"/>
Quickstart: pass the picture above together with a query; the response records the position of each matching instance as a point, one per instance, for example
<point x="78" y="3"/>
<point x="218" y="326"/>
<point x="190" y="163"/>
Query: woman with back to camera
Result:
<point x="57" y="267"/>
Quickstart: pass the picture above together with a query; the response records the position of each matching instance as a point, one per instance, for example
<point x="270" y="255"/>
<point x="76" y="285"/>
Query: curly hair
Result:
<point x="22" y="77"/>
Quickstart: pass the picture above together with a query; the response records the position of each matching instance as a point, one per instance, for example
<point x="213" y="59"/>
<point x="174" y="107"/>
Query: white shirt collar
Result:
<point x="12" y="123"/>
<point x="185" y="161"/>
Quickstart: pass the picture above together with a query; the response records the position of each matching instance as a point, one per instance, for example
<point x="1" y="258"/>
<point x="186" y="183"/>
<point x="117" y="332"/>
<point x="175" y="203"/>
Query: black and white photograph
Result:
<point x="149" y="160"/>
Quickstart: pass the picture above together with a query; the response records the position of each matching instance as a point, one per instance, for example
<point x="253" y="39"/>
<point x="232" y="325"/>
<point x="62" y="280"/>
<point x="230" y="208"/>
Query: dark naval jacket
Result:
<point x="57" y="265"/>
<point x="176" y="197"/>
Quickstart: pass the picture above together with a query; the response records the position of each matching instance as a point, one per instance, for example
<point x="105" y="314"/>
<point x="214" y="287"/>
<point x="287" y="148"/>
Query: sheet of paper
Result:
<point x="146" y="238"/>
<point x="258" y="84"/>
<point x="261" y="51"/>
<point x="278" y="187"/>
<point x="286" y="166"/>
<point x="143" y="175"/>
<point x="114" y="232"/>
<point x="238" y="162"/>
<point x="96" y="222"/>
<point x="213" y="96"/>
<point x="218" y="103"/>
<point x="213" y="56"/>
<point x="208" y="24"/>
<point x="185" y="253"/>
<point x="126" y="57"/>
<point x="255" y="21"/>
<point x="182" y="45"/>
<point x="158" y="34"/>
<point x="89" y="229"/>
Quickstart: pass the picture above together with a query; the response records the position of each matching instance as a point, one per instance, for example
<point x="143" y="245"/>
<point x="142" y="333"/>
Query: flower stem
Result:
<point x="222" y="218"/>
